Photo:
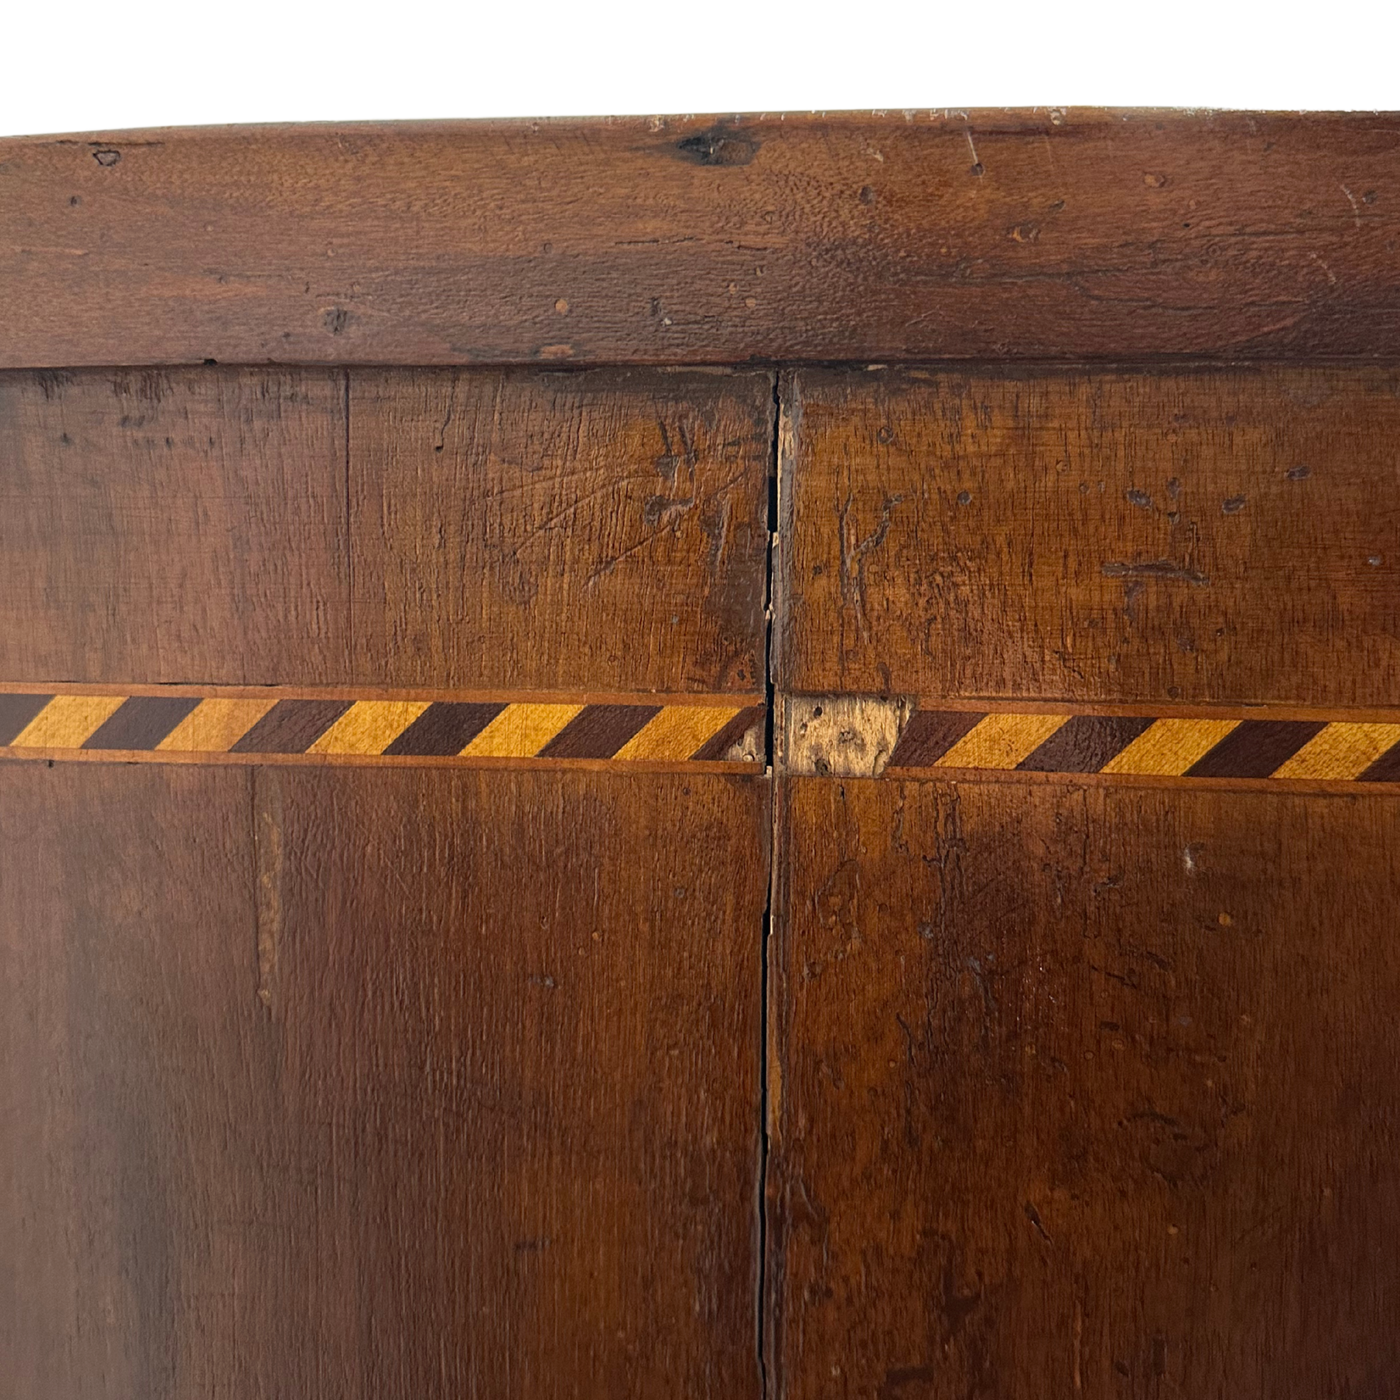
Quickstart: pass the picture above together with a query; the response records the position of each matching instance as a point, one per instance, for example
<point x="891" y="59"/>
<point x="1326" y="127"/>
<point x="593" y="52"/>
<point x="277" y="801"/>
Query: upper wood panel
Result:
<point x="516" y="530"/>
<point x="1094" y="536"/>
<point x="183" y="525"/>
<point x="544" y="530"/>
<point x="703" y="240"/>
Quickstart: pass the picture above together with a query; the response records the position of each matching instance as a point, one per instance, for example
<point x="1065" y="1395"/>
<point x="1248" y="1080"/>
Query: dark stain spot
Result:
<point x="964" y="498"/>
<point x="1299" y="473"/>
<point x="337" y="320"/>
<point x="76" y="200"/>
<point x="718" y="148"/>
<point x="899" y="1379"/>
<point x="107" y="158"/>
<point x="1233" y="506"/>
<point x="1369" y="197"/>
<point x="867" y="195"/>
<point x="1165" y="569"/>
<point x="1174" y="487"/>
<point x="1141" y="499"/>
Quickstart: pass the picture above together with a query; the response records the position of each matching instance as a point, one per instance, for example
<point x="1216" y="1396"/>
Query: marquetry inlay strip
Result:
<point x="255" y="727"/>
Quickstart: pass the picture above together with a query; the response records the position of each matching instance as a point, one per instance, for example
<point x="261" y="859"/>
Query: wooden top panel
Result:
<point x="702" y="240"/>
<point x="1171" y="538"/>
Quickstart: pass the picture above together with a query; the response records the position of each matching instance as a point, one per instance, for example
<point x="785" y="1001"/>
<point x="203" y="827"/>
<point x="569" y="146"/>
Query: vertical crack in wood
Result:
<point x="764" y="1049"/>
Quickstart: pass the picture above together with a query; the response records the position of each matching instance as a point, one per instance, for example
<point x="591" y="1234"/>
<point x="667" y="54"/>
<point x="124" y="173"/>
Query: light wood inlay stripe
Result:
<point x="214" y="726"/>
<point x="677" y="732"/>
<point x="1001" y="741"/>
<point x="1170" y="747"/>
<point x="369" y="726"/>
<point x="520" y="731"/>
<point x="1342" y="751"/>
<point x="68" y="721"/>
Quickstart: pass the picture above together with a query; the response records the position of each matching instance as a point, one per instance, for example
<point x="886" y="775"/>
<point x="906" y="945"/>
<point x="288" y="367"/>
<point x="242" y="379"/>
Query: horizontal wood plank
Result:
<point x="704" y="240"/>
<point x="1223" y="536"/>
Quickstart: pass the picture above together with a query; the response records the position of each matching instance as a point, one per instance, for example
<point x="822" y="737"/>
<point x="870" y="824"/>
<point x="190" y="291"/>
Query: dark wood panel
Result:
<point x="914" y="236"/>
<point x="147" y="1194"/>
<point x="522" y="1019"/>
<point x="1083" y="1092"/>
<point x="542" y="530"/>
<point x="1206" y="536"/>
<point x="393" y="1085"/>
<point x="187" y="525"/>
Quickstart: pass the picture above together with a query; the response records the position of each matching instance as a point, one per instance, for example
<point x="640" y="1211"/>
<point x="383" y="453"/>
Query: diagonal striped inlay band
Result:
<point x="1166" y="746"/>
<point x="245" y="726"/>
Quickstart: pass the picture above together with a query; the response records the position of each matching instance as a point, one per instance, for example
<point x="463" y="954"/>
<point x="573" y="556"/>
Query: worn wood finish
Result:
<point x="522" y="531"/>
<point x="1224" y="535"/>
<point x="703" y="240"/>
<point x="553" y="531"/>
<point x="521" y="1018"/>
<point x="174" y="525"/>
<point x="378" y="1084"/>
<point x="1083" y="1092"/>
<point x="149" y="1197"/>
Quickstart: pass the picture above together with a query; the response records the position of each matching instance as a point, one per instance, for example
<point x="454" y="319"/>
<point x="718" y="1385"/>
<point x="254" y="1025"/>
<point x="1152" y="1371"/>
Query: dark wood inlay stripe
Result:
<point x="16" y="711"/>
<point x="598" y="731"/>
<point x="1386" y="769"/>
<point x="443" y="729"/>
<point x="930" y="734"/>
<point x="1255" y="748"/>
<point x="717" y="745"/>
<point x="1084" y="744"/>
<point x="291" y="726"/>
<point x="142" y="722"/>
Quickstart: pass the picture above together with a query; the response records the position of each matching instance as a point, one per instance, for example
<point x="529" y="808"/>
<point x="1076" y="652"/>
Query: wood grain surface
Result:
<point x="560" y="530"/>
<point x="151" y="1201"/>
<point x="328" y="1070"/>
<point x="390" y="1084"/>
<point x="707" y="240"/>
<point x="1203" y="536"/>
<point x="522" y="531"/>
<point x="1082" y="1092"/>
<point x="173" y="525"/>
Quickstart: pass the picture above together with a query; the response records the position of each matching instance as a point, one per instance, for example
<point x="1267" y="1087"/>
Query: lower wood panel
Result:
<point x="1083" y="1092"/>
<point x="379" y="1083"/>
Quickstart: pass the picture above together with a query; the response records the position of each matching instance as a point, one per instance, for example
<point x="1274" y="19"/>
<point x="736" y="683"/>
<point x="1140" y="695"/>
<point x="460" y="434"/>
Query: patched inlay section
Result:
<point x="187" y="724"/>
